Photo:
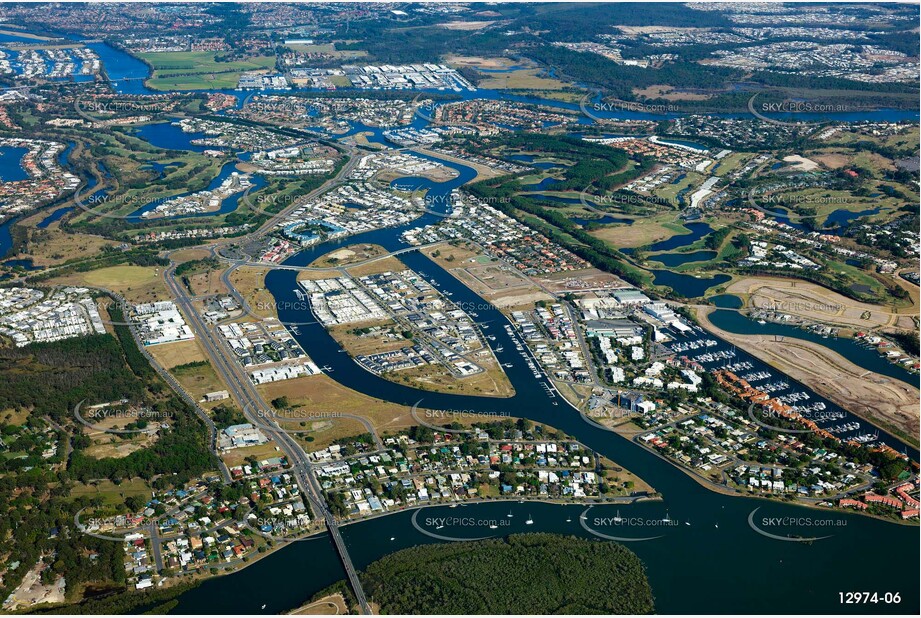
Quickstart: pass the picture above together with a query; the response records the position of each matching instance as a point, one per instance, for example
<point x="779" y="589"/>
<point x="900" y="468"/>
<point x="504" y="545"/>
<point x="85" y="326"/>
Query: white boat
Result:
<point x="393" y="538"/>
<point x="263" y="606"/>
<point x="568" y="519"/>
<point x="510" y="514"/>
<point x="439" y="527"/>
<point x="493" y="527"/>
<point x="529" y="521"/>
<point x="761" y="322"/>
<point x="618" y="518"/>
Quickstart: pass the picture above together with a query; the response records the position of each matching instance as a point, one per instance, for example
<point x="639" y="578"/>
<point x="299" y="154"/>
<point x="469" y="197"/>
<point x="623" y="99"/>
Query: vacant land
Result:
<point x="522" y="79"/>
<point x="466" y="25"/>
<point x="663" y="91"/>
<point x="249" y="282"/>
<point x="238" y="456"/>
<point x="138" y="284"/>
<point x="198" y="380"/>
<point x="814" y="302"/>
<point x="499" y="284"/>
<point x="333" y="604"/>
<point x="110" y="493"/>
<point x="480" y="62"/>
<point x="52" y="247"/>
<point x="642" y="232"/>
<point x="351" y="254"/>
<point x="170" y="355"/>
<point x="482" y="171"/>
<point x="322" y="394"/>
<point x="196" y="70"/>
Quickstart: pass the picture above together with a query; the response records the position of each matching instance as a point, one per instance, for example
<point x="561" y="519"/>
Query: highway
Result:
<point x="251" y="401"/>
<point x="243" y="390"/>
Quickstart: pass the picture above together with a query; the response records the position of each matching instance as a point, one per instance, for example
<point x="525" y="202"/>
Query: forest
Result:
<point x="51" y="378"/>
<point x="521" y="574"/>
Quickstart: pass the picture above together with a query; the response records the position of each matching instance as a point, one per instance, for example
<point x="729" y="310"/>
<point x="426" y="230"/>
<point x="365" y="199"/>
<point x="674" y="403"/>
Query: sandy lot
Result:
<point x="814" y="302"/>
<point x="587" y="279"/>
<point x="329" y="605"/>
<point x="801" y="163"/>
<point x="883" y="401"/>
<point x="466" y="25"/>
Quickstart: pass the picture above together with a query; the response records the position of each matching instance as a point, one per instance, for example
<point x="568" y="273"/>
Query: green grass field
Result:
<point x="198" y="70"/>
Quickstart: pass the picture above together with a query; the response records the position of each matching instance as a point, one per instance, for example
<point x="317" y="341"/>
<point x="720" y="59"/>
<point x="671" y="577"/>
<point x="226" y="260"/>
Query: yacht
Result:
<point x="529" y="521"/>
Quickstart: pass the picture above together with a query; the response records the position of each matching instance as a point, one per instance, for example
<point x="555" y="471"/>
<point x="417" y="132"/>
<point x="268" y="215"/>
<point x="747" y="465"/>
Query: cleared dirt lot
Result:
<point x="814" y="302"/>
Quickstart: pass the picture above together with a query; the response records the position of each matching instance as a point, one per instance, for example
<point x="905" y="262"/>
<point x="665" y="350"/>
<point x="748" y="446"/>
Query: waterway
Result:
<point x="57" y="215"/>
<point x="842" y="217"/>
<point x="11" y="169"/>
<point x="169" y="136"/>
<point x="698" y="230"/>
<point x="869" y="359"/>
<point x="717" y="564"/>
<point x="6" y="239"/>
<point x="678" y="259"/>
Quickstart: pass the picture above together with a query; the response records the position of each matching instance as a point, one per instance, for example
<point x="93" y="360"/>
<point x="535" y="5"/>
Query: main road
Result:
<point x="251" y="402"/>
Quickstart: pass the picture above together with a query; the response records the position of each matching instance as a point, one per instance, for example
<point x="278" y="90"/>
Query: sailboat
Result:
<point x="618" y="518"/>
<point x="510" y="513"/>
<point x="529" y="521"/>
